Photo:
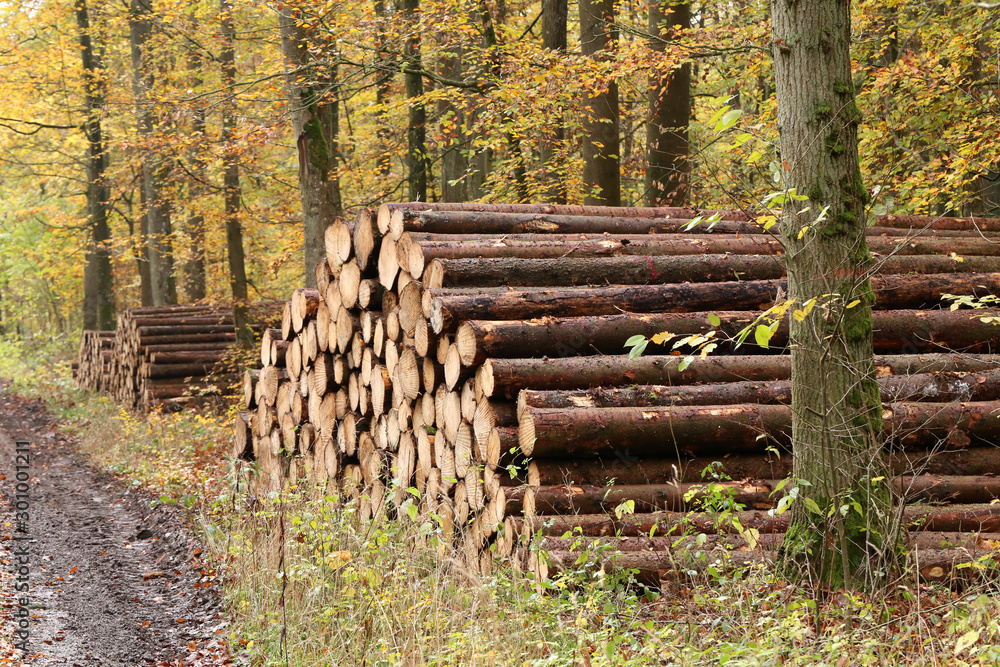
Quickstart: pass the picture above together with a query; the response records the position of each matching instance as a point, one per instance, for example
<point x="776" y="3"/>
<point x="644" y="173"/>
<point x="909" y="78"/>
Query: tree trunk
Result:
<point x="154" y="168"/>
<point x="98" y="299"/>
<point x="454" y="149"/>
<point x="667" y="169"/>
<point x="598" y="34"/>
<point x="417" y="162"/>
<point x="383" y="83"/>
<point x="554" y="18"/>
<point x="194" y="268"/>
<point x="316" y="124"/>
<point x="142" y="251"/>
<point x="231" y="183"/>
<point x="837" y="411"/>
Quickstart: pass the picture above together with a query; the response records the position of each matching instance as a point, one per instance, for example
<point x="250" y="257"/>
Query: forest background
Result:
<point x="149" y="138"/>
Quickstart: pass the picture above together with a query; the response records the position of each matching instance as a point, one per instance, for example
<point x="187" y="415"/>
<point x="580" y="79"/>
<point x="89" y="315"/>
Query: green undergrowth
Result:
<point x="309" y="583"/>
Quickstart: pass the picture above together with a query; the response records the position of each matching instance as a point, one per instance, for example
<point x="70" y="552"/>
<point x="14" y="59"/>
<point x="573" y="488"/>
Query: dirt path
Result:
<point x="112" y="580"/>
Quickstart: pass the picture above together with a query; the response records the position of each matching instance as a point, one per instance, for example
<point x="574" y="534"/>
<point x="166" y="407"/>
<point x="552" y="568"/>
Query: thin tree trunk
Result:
<point x="194" y="267"/>
<point x="383" y="81"/>
<point x="668" y="168"/>
<point x="554" y="19"/>
<point x="316" y="124"/>
<point x="154" y="171"/>
<point x="836" y="407"/>
<point x="601" y="149"/>
<point x="98" y="300"/>
<point x="233" y="193"/>
<point x="417" y="163"/>
<point x="454" y="151"/>
<point x="142" y="251"/>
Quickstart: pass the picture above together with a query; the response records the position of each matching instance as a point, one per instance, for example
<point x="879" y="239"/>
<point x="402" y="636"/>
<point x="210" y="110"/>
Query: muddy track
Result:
<point x="113" y="580"/>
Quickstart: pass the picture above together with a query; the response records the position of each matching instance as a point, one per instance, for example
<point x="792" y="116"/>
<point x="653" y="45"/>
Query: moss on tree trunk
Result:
<point x="841" y="530"/>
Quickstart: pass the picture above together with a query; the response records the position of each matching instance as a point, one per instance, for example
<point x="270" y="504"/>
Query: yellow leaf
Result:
<point x="662" y="337"/>
<point x="854" y="303"/>
<point x="799" y="315"/>
<point x="802" y="232"/>
<point x="767" y="221"/>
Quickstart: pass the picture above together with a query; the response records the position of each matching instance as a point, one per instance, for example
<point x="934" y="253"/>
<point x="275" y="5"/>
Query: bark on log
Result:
<point x="924" y="540"/>
<point x="187" y="356"/>
<point x="386" y="210"/>
<point x="539" y="246"/>
<point x="659" y="431"/>
<point x="679" y="467"/>
<point x="951" y="518"/>
<point x="930" y="387"/>
<point x="658" y="269"/>
<point x="506" y="377"/>
<point x="895" y="331"/>
<point x="751" y="494"/>
<point x="178" y="370"/>
<point x="651" y="568"/>
<point x="450" y="307"/>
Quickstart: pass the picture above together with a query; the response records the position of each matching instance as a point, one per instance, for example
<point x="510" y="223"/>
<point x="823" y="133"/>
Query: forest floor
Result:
<point x="115" y="578"/>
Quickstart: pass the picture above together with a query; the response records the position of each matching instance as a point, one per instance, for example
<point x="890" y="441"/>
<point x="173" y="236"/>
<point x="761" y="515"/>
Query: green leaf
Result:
<point x="812" y="506"/>
<point x="762" y="334"/>
<point x="714" y="320"/>
<point x="634" y="340"/>
<point x="728" y="120"/>
<point x="966" y="641"/>
<point x="638" y="349"/>
<point x="718" y="114"/>
<point x="684" y="363"/>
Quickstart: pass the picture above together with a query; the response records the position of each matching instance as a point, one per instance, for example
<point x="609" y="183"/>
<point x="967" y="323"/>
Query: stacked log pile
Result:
<point x="163" y="353"/>
<point x="93" y="365"/>
<point x="471" y="358"/>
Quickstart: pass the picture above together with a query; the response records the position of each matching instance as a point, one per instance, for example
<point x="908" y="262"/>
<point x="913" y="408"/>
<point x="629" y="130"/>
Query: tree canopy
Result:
<point x="501" y="113"/>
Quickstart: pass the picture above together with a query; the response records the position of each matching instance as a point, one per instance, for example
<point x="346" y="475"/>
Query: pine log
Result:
<point x="187" y="357"/>
<point x="491" y="222"/>
<point x="571" y="499"/>
<point x="895" y="331"/>
<point x="408" y="209"/>
<point x="303" y="305"/>
<point x="505" y="377"/>
<point x="970" y="224"/>
<point x="144" y="331"/>
<point x="950" y="518"/>
<point x="367" y="236"/>
<point x="653" y="269"/>
<point x="178" y="370"/>
<point x="651" y="568"/>
<point x="540" y="246"/>
<point x="681" y="468"/>
<point x="207" y="348"/>
<point x="929" y="387"/>
<point x="450" y="307"/>
<point x="187" y="340"/>
<point x="756" y="494"/>
<point x="660" y="431"/>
